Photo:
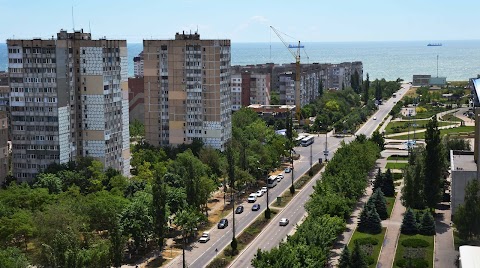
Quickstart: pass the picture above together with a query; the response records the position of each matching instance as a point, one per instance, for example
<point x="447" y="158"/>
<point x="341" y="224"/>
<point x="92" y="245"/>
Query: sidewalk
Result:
<point x="393" y="225"/>
<point x="385" y="124"/>
<point x="351" y="225"/>
<point x="445" y="253"/>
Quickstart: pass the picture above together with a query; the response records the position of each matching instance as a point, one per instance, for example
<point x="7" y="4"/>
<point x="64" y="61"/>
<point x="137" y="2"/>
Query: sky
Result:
<point x="245" y="20"/>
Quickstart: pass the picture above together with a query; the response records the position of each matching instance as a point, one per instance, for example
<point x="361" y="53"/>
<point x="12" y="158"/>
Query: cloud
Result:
<point x="251" y="21"/>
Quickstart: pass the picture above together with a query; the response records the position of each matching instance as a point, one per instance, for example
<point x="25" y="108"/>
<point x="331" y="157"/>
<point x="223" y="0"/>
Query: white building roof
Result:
<point x="469" y="256"/>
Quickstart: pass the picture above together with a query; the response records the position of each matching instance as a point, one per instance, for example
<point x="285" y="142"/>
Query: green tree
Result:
<point x="137" y="128"/>
<point x="358" y="258"/>
<point x="118" y="242"/>
<point x="388" y="187"/>
<point x="412" y="191"/>
<point x="380" y="204"/>
<point x="427" y="226"/>
<point x="17" y="228"/>
<point x="366" y="88"/>
<point x="344" y="261"/>
<point x="49" y="181"/>
<point x="274" y="98"/>
<point x="320" y="88"/>
<point x="378" y="139"/>
<point x="137" y="220"/>
<point x="12" y="257"/>
<point x="409" y="223"/>
<point x="374" y="221"/>
<point x="434" y="165"/>
<point x="159" y="207"/>
<point x="467" y="216"/>
<point x="379" y="180"/>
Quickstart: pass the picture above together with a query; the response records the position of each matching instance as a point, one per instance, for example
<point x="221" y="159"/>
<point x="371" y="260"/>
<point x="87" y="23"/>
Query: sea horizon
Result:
<point x="458" y="60"/>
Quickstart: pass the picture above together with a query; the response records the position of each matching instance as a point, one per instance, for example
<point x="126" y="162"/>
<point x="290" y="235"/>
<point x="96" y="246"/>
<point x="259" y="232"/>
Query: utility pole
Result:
<point x="268" y="208"/>
<point x="183" y="250"/>
<point x="311" y="159"/>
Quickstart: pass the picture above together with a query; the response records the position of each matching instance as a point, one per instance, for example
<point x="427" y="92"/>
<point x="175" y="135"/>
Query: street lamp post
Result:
<point x="292" y="188"/>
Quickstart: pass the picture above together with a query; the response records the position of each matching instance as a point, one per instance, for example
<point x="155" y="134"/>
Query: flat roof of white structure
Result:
<point x="469" y="256"/>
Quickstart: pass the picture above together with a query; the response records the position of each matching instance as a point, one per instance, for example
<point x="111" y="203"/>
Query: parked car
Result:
<point x="256" y="207"/>
<point x="284" y="222"/>
<point x="259" y="193"/>
<point x="222" y="224"/>
<point x="264" y="189"/>
<point x="205" y="237"/>
<point x="288" y="170"/>
<point x="279" y="177"/>
<point x="239" y="210"/>
<point x="252" y="198"/>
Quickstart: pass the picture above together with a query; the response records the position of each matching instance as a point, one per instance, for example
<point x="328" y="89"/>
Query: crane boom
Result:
<point x="296" y="55"/>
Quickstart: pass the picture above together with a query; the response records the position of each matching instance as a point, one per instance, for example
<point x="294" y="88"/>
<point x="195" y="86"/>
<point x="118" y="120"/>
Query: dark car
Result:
<point x="256" y="207"/>
<point x="222" y="224"/>
<point x="239" y="210"/>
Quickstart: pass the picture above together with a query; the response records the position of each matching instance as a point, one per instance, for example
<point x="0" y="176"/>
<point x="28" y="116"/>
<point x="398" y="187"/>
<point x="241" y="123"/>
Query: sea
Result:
<point x="455" y="60"/>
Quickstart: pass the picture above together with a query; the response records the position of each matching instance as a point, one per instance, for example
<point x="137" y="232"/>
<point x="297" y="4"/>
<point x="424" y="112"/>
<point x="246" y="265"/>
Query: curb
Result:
<point x="381" y="248"/>
<point x="396" y="246"/>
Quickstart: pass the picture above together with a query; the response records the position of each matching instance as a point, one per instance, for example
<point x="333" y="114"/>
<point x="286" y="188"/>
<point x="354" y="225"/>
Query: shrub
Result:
<point x="415" y="243"/>
<point x="367" y="241"/>
<point x="418" y="263"/>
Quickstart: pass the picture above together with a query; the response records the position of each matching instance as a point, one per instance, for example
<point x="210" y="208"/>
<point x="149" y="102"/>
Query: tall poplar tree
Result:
<point x="434" y="165"/>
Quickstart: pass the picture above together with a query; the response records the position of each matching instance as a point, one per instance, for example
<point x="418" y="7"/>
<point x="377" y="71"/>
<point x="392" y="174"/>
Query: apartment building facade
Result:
<point x="138" y="65"/>
<point x="282" y="78"/>
<point x="4" y="123"/>
<point x="68" y="98"/>
<point x="249" y="88"/>
<point x="187" y="91"/>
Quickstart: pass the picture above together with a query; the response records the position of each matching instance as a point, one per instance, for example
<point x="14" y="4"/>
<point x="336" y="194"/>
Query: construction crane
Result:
<point x="296" y="55"/>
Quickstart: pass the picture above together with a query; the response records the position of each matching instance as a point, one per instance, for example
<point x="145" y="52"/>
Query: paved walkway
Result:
<point x="385" y="124"/>
<point x="454" y="124"/>
<point x="393" y="225"/>
<point x="445" y="253"/>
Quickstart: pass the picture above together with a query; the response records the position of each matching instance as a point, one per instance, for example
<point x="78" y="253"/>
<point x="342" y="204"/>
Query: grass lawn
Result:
<point x="431" y="111"/>
<point x="428" y="250"/>
<point x="397" y="176"/>
<point x="402" y="126"/>
<point x="443" y="132"/>
<point x="397" y="157"/>
<point x="451" y="117"/>
<point x="390" y="202"/>
<point x="393" y="165"/>
<point x="460" y="242"/>
<point x="376" y="248"/>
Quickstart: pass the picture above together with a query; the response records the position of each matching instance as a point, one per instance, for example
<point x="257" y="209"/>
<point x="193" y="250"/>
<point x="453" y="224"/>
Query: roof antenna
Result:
<point x="197" y="29"/>
<point x="89" y="28"/>
<point x="73" y="20"/>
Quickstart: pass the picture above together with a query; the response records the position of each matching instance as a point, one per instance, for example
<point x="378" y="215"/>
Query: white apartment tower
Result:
<point x="69" y="98"/>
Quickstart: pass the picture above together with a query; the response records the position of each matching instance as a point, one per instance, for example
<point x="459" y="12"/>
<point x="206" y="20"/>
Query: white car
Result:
<point x="374" y="118"/>
<point x="259" y="193"/>
<point x="284" y="222"/>
<point x="252" y="198"/>
<point x="279" y="177"/>
<point x="205" y="237"/>
<point x="264" y="189"/>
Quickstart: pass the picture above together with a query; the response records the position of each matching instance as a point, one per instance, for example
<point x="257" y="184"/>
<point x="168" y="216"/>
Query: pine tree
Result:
<point x="428" y="224"/>
<point x="374" y="221"/>
<point x="358" y="259"/>
<point x="409" y="224"/>
<point x="380" y="204"/>
<point x="366" y="87"/>
<point x="379" y="178"/>
<point x="344" y="261"/>
<point x="388" y="187"/>
<point x="363" y="221"/>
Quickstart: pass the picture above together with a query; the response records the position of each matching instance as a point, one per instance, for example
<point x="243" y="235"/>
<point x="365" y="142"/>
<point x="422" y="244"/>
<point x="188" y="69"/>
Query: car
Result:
<point x="205" y="237"/>
<point x="374" y="118"/>
<point x="284" y="222"/>
<point x="239" y="210"/>
<point x="264" y="189"/>
<point x="288" y="170"/>
<point x="252" y="198"/>
<point x="279" y="177"/>
<point x="255" y="207"/>
<point x="259" y="193"/>
<point x="222" y="224"/>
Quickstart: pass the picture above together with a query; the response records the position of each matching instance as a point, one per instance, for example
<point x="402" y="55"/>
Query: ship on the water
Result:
<point x="434" y="45"/>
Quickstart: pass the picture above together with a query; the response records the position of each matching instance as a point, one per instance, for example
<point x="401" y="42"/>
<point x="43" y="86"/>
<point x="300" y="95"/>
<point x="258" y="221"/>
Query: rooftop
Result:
<point x="463" y="161"/>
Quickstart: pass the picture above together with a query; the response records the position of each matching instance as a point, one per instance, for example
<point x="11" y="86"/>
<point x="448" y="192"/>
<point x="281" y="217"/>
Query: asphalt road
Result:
<point x="200" y="254"/>
<point x="273" y="234"/>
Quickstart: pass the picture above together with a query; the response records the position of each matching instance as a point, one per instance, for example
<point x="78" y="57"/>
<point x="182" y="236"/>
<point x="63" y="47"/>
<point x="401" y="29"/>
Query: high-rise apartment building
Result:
<point x="4" y="123"/>
<point x="187" y="91"/>
<point x="68" y="98"/>
<point x="249" y="88"/>
<point x="138" y="65"/>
